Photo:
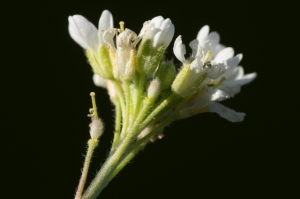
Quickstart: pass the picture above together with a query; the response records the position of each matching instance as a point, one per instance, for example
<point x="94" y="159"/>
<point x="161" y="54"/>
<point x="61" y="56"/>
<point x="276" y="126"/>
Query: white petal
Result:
<point x="241" y="81"/>
<point x="99" y="81"/>
<point x="179" y="49"/>
<point x="224" y="54"/>
<point x="169" y="35"/>
<point x="234" y="61"/>
<point x="216" y="70"/>
<point x="246" y="79"/>
<point x="214" y="38"/>
<point x="197" y="64"/>
<point x="83" y="32"/>
<point x="106" y="21"/>
<point x="231" y="91"/>
<point x="234" y="72"/>
<point x="108" y="36"/>
<point x="218" y="48"/>
<point x="219" y="95"/>
<point x="146" y="26"/>
<point x="226" y="113"/>
<point x="202" y="34"/>
<point x="165" y="36"/>
<point x="240" y="73"/>
<point x="151" y="32"/>
<point x="194" y="46"/>
<point x="157" y="21"/>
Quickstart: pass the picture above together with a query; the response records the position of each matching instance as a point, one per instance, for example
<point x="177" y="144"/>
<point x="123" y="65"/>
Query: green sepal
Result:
<point x="100" y="62"/>
<point x="105" y="61"/>
<point x="185" y="85"/>
<point x="93" y="62"/>
<point x="143" y="55"/>
<point x="156" y="57"/>
<point x="180" y="80"/>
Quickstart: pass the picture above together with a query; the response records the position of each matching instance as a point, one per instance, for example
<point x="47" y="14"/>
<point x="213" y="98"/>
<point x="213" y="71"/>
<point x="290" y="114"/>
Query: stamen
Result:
<point x="122" y="23"/>
<point x="95" y="113"/>
<point x="207" y="56"/>
<point x="220" y="82"/>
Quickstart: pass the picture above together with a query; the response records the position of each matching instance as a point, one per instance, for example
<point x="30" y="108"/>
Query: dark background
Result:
<point x="45" y="89"/>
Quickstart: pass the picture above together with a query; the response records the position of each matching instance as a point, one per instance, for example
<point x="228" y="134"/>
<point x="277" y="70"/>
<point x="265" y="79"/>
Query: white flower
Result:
<point x="94" y="41"/>
<point x="195" y="68"/>
<point x="126" y="52"/>
<point x="224" y="78"/>
<point x="209" y="41"/>
<point x="159" y="30"/>
<point x="85" y="33"/>
<point x="189" y="78"/>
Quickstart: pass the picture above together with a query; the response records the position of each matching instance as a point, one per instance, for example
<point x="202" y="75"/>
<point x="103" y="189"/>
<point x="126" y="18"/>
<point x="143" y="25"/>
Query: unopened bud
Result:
<point x="96" y="128"/>
<point x="155" y="60"/>
<point x="166" y="74"/>
<point x="154" y="89"/>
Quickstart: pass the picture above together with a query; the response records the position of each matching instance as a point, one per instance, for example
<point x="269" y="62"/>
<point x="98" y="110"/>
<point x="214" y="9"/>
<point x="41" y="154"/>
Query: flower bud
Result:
<point x="154" y="89"/>
<point x="143" y="55"/>
<point x="166" y="74"/>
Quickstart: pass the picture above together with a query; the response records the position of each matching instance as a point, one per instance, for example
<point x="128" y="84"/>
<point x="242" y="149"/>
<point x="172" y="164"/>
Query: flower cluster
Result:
<point x="147" y="90"/>
<point x="211" y="74"/>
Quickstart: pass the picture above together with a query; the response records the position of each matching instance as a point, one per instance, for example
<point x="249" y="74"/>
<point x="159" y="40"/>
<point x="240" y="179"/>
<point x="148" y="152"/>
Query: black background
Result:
<point x="45" y="89"/>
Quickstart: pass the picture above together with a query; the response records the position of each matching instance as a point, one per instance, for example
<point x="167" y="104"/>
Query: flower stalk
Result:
<point x="96" y="131"/>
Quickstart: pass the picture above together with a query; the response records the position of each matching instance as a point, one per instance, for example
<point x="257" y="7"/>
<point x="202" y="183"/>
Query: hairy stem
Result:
<point x="92" y="144"/>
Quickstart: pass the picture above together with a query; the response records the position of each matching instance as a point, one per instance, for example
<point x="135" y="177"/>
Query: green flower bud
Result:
<point x="166" y="74"/>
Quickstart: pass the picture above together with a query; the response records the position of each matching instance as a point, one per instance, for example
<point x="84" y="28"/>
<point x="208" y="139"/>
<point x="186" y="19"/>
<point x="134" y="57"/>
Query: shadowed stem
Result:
<point x="140" y="144"/>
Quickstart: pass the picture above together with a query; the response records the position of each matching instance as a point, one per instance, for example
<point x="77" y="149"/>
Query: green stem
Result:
<point x="104" y="175"/>
<point x="124" y="162"/>
<point x="126" y="89"/>
<point x="145" y="139"/>
<point x="142" y="122"/>
<point x="92" y="144"/>
<point x="139" y="94"/>
<point x="120" y="96"/>
<point x="118" y="125"/>
<point x="140" y="144"/>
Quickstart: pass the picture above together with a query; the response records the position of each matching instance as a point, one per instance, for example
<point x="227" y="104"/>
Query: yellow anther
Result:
<point x="207" y="55"/>
<point x="94" y="105"/>
<point x="122" y="23"/>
